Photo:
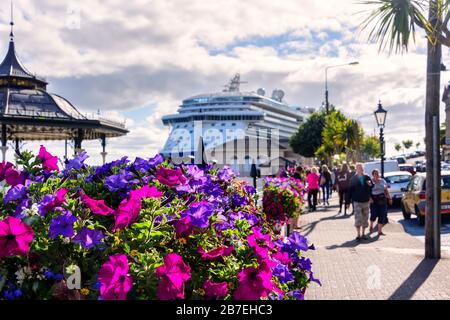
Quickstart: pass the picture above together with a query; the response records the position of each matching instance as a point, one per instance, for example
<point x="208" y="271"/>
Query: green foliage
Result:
<point x="308" y="139"/>
<point x="371" y="147"/>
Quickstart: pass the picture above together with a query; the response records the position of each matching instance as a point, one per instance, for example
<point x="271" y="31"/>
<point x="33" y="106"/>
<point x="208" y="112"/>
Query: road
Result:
<point x="413" y="228"/>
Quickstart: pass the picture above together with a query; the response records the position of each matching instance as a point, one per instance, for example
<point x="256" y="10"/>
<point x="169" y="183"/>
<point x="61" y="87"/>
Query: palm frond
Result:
<point x="393" y="23"/>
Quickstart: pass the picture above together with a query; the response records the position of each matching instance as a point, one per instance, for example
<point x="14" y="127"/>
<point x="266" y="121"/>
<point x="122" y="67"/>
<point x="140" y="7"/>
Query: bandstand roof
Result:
<point x="31" y="113"/>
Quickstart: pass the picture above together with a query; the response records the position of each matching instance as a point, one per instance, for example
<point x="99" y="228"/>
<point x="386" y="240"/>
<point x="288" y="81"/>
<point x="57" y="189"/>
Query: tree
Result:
<point x="308" y="138"/>
<point x="371" y="147"/>
<point x="394" y="23"/>
<point x="407" y="144"/>
<point x="398" y="147"/>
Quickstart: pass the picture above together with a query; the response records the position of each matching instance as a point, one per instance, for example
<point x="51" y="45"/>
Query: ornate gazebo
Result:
<point x="29" y="112"/>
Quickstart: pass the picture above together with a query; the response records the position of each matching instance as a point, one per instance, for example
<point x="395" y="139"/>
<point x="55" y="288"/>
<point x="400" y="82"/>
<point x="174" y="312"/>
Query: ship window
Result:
<point x="234" y="124"/>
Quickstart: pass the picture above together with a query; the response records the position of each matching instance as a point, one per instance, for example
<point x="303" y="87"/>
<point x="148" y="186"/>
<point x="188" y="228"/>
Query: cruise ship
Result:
<point x="236" y="128"/>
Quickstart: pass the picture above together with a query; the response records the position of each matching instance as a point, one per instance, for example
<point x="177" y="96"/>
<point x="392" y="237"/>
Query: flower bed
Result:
<point x="146" y="229"/>
<point x="283" y="200"/>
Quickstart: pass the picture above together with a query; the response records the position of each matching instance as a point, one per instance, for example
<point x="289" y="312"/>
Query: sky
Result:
<point x="135" y="61"/>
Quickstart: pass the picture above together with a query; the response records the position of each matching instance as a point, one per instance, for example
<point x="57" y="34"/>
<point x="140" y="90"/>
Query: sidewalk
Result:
<point x="391" y="267"/>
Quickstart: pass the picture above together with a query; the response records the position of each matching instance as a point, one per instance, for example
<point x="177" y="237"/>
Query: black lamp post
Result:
<point x="380" y="117"/>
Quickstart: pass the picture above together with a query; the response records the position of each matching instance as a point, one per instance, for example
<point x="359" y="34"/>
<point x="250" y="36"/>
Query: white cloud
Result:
<point x="149" y="55"/>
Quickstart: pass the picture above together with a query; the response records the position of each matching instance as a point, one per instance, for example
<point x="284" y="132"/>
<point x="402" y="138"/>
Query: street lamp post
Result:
<point x="327" y="102"/>
<point x="380" y="117"/>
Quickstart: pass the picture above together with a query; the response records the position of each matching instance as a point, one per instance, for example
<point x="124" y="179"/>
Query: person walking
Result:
<point x="379" y="202"/>
<point x="342" y="181"/>
<point x="360" y="191"/>
<point x="352" y="174"/>
<point x="313" y="188"/>
<point x="325" y="184"/>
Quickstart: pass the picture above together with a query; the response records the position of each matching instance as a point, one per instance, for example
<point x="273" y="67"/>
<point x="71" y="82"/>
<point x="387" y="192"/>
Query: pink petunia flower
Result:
<point x="282" y="257"/>
<point x="49" y="162"/>
<point x="114" y="280"/>
<point x="4" y="166"/>
<point x="173" y="273"/>
<point x="96" y="206"/>
<point x="183" y="227"/>
<point x="15" y="237"/>
<point x="128" y="211"/>
<point x="171" y="177"/>
<point x="254" y="284"/>
<point x="14" y="177"/>
<point x="216" y="254"/>
<point x="214" y="290"/>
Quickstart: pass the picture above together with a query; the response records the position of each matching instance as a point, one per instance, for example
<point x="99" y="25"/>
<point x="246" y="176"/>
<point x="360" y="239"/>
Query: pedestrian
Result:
<point x="325" y="184"/>
<point x="313" y="188"/>
<point x="379" y="202"/>
<point x="352" y="174"/>
<point x="360" y="190"/>
<point x="342" y="181"/>
<point x="299" y="173"/>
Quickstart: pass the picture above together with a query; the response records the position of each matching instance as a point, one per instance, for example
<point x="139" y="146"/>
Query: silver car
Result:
<point x="397" y="181"/>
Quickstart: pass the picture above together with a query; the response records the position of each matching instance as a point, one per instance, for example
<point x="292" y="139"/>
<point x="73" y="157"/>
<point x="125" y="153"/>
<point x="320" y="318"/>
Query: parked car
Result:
<point x="397" y="181"/>
<point x="408" y="168"/>
<point x="389" y="166"/>
<point x="401" y="159"/>
<point x="414" y="199"/>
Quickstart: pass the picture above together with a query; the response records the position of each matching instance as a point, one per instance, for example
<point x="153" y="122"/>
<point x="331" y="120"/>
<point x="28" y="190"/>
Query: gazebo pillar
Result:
<point x="4" y="147"/>
<point x="78" y="140"/>
<point x="103" y="153"/>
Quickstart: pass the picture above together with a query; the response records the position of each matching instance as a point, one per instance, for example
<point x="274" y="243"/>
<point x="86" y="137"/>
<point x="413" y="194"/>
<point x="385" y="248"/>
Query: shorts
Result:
<point x="361" y="211"/>
<point x="379" y="212"/>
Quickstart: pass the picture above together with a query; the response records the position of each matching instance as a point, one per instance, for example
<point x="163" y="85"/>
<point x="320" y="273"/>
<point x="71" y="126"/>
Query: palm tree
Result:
<point x="398" y="147"/>
<point x="394" y="23"/>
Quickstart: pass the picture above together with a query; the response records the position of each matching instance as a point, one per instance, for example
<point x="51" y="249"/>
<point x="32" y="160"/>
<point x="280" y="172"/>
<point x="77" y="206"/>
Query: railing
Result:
<point x="63" y="116"/>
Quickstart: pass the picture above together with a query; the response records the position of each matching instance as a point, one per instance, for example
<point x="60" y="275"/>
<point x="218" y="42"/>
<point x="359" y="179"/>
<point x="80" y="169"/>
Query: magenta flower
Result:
<point x="96" y="206"/>
<point x="4" y="166"/>
<point x="49" y="162"/>
<point x="14" y="177"/>
<point x="183" y="227"/>
<point x="173" y="273"/>
<point x="15" y="237"/>
<point x="128" y="211"/>
<point x="282" y="257"/>
<point x="214" y="290"/>
<point x="114" y="280"/>
<point x="216" y="254"/>
<point x="170" y="177"/>
<point x="254" y="284"/>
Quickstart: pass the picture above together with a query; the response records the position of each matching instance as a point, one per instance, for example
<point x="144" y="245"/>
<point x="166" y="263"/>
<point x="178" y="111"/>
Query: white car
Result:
<point x="397" y="181"/>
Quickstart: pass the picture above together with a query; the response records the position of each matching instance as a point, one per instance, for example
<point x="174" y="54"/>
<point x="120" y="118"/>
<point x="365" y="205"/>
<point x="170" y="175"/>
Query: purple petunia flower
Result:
<point x="106" y="168"/>
<point x="62" y="225"/>
<point x="282" y="273"/>
<point x="78" y="162"/>
<point x="238" y="200"/>
<point x="15" y="193"/>
<point x="199" y="212"/>
<point x="88" y="238"/>
<point x="250" y="189"/>
<point x="226" y="174"/>
<point x="24" y="204"/>
<point x="298" y="242"/>
<point x="121" y="181"/>
<point x="303" y="263"/>
<point x="297" y="294"/>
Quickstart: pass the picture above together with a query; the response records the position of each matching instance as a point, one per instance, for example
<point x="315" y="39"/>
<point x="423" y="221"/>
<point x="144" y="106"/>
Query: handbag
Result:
<point x="323" y="180"/>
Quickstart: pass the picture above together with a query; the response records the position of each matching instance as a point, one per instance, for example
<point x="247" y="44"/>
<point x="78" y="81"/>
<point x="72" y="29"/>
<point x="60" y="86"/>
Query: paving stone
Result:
<point x="391" y="267"/>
